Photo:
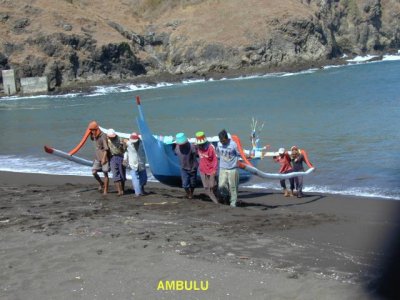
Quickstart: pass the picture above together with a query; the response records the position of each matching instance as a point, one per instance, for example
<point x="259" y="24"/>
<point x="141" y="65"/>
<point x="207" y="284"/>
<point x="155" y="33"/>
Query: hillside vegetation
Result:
<point x="89" y="41"/>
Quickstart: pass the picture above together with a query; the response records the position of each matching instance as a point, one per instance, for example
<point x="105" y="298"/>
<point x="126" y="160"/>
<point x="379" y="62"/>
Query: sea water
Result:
<point x="347" y="118"/>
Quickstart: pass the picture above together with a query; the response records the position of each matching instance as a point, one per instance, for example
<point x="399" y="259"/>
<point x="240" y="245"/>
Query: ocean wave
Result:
<point x="367" y="58"/>
<point x="193" y="81"/>
<point x="359" y="59"/>
<point x="309" y="71"/>
<point x="37" y="165"/>
<point x="356" y="191"/>
<point x="32" y="164"/>
<point x="344" y="191"/>
<point x="44" y="96"/>
<point x="98" y="91"/>
<point x="331" y="67"/>
<point x="391" y="57"/>
<point x="126" y="88"/>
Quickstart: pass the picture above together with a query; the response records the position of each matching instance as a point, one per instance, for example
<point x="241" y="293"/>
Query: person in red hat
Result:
<point x="100" y="163"/>
<point x="135" y="160"/>
<point x="208" y="164"/>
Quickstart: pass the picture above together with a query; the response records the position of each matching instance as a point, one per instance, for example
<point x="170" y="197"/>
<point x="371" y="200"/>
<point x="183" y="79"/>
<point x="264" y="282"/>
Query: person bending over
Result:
<point x="186" y="153"/>
<point x="283" y="159"/>
<point x="208" y="164"/>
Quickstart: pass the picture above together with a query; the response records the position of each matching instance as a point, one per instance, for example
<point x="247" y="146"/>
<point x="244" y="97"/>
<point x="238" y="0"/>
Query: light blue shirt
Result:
<point x="228" y="155"/>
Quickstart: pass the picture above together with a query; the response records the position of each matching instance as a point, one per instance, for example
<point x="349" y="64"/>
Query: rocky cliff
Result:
<point x="90" y="41"/>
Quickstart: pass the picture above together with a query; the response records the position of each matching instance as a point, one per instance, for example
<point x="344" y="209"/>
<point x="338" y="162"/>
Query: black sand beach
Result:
<point x="61" y="239"/>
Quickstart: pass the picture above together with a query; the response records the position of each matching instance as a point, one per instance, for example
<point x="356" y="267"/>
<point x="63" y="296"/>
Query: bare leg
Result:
<point x="97" y="177"/>
<point x="187" y="193"/>
<point x="211" y="194"/>
<point x="191" y="191"/>
<point x="123" y="186"/>
<point x="106" y="182"/>
<point x="118" y="185"/>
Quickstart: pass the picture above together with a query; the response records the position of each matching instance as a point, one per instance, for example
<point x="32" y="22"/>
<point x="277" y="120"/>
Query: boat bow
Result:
<point x="164" y="164"/>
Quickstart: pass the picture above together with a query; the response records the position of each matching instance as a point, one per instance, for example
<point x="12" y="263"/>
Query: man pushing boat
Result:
<point x="100" y="163"/>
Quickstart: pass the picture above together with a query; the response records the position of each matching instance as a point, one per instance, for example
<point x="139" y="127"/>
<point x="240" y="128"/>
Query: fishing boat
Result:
<point x="164" y="164"/>
<point x="163" y="161"/>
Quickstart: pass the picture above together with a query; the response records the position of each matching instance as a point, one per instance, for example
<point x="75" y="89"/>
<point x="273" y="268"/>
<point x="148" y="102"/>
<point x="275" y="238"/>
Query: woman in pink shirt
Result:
<point x="208" y="165"/>
<point x="284" y="160"/>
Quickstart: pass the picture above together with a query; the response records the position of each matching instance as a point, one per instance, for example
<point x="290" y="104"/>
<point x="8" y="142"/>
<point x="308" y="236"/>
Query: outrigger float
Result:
<point x="164" y="164"/>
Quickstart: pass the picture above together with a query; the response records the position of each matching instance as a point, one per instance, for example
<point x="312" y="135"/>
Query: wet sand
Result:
<point x="62" y="239"/>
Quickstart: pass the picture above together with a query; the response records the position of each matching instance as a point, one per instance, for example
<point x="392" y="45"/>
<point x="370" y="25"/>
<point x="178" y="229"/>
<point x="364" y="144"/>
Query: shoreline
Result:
<point x="168" y="78"/>
<point x="89" y="179"/>
<point x="87" y="87"/>
<point x="61" y="238"/>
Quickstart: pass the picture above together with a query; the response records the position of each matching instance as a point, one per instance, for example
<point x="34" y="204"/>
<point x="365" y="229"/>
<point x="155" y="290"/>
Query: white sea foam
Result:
<point x="309" y="71"/>
<point x="50" y="166"/>
<point x="347" y="191"/>
<point x="98" y="91"/>
<point x="15" y="98"/>
<point x="193" y="81"/>
<point x="331" y="67"/>
<point x="125" y="88"/>
<point x="359" y="59"/>
<point x="31" y="164"/>
<point x="355" y="191"/>
<point x="391" y="57"/>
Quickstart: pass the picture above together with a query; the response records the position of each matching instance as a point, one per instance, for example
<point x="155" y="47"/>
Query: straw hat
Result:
<point x="200" y="138"/>
<point x="181" y="138"/>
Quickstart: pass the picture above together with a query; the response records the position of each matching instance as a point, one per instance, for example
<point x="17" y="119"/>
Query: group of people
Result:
<point x="291" y="163"/>
<point x="218" y="166"/>
<point x="118" y="155"/>
<point x="228" y="176"/>
<point x="203" y="156"/>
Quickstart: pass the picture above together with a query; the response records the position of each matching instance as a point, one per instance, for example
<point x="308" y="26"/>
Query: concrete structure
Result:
<point x="32" y="85"/>
<point x="9" y="85"/>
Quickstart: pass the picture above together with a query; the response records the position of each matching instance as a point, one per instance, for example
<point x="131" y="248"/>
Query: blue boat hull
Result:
<point x="163" y="162"/>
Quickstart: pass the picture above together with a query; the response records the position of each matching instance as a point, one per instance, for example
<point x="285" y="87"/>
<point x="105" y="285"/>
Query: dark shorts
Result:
<point x="188" y="178"/>
<point x="117" y="169"/>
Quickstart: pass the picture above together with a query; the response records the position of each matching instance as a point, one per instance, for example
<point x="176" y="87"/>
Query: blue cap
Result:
<point x="181" y="138"/>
